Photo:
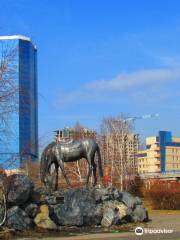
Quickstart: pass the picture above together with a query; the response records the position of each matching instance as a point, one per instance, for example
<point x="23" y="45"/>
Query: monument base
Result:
<point x="85" y="206"/>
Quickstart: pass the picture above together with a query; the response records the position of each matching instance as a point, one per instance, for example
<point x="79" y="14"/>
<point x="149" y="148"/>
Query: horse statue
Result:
<point x="58" y="153"/>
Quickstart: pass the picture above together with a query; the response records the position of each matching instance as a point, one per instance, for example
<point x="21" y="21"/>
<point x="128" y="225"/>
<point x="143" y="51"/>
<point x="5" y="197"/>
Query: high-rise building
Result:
<point x="162" y="155"/>
<point x="19" y="140"/>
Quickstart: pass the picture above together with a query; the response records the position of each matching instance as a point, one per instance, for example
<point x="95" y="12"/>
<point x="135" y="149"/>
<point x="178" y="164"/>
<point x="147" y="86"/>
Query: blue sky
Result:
<point x="102" y="58"/>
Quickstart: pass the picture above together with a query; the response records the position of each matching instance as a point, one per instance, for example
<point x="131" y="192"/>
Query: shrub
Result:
<point x="164" y="195"/>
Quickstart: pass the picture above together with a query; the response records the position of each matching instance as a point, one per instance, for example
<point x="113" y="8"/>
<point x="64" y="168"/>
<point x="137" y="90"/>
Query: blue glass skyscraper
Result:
<point x="20" y="141"/>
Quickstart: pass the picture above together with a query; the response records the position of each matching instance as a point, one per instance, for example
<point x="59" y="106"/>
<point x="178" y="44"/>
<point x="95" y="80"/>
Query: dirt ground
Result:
<point x="159" y="220"/>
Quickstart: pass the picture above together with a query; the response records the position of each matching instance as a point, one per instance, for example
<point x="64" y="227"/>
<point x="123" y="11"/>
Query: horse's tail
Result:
<point x="99" y="162"/>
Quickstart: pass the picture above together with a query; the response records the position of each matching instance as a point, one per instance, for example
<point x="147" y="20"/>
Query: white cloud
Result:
<point x="124" y="83"/>
<point x="129" y="80"/>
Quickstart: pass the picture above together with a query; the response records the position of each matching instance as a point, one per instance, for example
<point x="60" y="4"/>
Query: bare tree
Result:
<point x="10" y="96"/>
<point x="8" y="102"/>
<point x="8" y="86"/>
<point x="118" y="150"/>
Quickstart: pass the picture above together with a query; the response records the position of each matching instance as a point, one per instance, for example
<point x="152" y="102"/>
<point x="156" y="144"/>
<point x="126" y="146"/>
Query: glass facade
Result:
<point x="21" y="143"/>
<point x="164" y="138"/>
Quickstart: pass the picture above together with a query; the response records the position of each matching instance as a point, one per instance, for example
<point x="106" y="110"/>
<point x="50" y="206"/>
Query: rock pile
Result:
<point x="29" y="207"/>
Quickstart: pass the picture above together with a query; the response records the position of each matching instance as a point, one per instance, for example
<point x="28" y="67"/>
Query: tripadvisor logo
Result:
<point x="139" y="231"/>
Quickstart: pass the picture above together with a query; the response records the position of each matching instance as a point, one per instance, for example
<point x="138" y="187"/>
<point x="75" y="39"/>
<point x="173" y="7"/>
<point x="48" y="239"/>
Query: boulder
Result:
<point x="140" y="214"/>
<point x="92" y="217"/>
<point x="66" y="217"/>
<point x="99" y="210"/>
<point x="81" y="202"/>
<point x="109" y="217"/>
<point x="117" y="195"/>
<point x="120" y="207"/>
<point x="42" y="219"/>
<point x="107" y="194"/>
<point x="38" y="196"/>
<point x="128" y="200"/>
<point x="19" y="189"/>
<point x="18" y="219"/>
<point x="79" y="208"/>
<point x="31" y="209"/>
<point x="94" y="206"/>
<point x="73" y="207"/>
<point x="80" y="197"/>
<point x="103" y="194"/>
<point x="138" y="201"/>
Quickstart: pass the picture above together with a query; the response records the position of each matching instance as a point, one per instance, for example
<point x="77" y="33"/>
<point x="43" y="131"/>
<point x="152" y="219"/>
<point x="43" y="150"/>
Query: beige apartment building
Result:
<point x="118" y="146"/>
<point x="162" y="155"/>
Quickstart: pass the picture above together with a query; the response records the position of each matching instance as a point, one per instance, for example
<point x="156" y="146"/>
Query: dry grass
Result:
<point x="164" y="195"/>
<point x="150" y="209"/>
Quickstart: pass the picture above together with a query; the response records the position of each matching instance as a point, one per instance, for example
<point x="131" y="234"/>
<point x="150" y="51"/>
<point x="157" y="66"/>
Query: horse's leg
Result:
<point x="56" y="185"/>
<point x="49" y="178"/>
<point x="64" y="174"/>
<point x="93" y="164"/>
<point x="90" y="170"/>
<point x="89" y="174"/>
<point x="94" y="171"/>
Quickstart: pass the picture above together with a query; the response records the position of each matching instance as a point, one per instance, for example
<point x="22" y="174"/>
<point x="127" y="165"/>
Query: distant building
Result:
<point x="162" y="155"/>
<point x="132" y="146"/>
<point x="23" y="143"/>
<point x="68" y="134"/>
<point x="128" y="144"/>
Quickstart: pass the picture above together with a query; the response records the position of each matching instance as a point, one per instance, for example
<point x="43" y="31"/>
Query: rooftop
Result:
<point x="20" y="37"/>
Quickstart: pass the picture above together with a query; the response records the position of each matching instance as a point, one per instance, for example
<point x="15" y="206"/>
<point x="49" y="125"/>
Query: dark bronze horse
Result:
<point x="59" y="153"/>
